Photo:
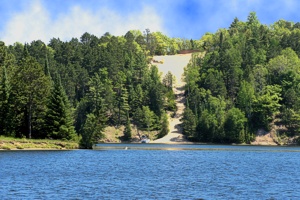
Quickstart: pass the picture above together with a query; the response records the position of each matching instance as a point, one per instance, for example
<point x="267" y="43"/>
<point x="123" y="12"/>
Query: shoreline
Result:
<point x="166" y="143"/>
<point x="16" y="144"/>
<point x="185" y="146"/>
<point x="38" y="149"/>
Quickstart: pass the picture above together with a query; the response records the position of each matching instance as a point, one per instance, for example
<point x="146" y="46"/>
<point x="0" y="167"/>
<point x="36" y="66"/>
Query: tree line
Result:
<point x="246" y="79"/>
<point x="72" y="90"/>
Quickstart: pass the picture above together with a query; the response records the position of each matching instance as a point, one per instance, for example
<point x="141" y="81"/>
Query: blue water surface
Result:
<point x="218" y="172"/>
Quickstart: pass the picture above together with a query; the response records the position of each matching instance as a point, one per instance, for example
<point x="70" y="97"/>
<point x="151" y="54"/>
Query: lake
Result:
<point x="210" y="172"/>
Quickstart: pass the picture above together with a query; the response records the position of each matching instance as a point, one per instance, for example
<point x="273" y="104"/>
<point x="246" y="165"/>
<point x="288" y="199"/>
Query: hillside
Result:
<point x="174" y="64"/>
<point x="248" y="79"/>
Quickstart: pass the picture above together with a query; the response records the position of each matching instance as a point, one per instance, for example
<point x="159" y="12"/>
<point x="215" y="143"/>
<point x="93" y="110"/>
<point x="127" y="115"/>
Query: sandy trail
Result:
<point x="175" y="64"/>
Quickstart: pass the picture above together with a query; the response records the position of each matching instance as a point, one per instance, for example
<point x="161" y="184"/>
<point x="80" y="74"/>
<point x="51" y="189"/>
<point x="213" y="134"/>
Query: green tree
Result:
<point x="154" y="88"/>
<point x="136" y="98"/>
<point x="5" y="90"/>
<point x="231" y="66"/>
<point x="189" y="123"/>
<point x="164" y="125"/>
<point x="210" y="127"/>
<point x="234" y="126"/>
<point x="245" y="98"/>
<point x="267" y="105"/>
<point x="168" y="80"/>
<point x="59" y="122"/>
<point x="214" y="82"/>
<point x="127" y="130"/>
<point x="92" y="131"/>
<point x="260" y="74"/>
<point x="137" y="118"/>
<point x="122" y="105"/>
<point x="30" y="89"/>
<point x="148" y="118"/>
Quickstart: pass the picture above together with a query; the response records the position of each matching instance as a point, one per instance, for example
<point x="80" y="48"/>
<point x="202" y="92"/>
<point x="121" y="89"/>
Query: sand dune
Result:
<point x="175" y="64"/>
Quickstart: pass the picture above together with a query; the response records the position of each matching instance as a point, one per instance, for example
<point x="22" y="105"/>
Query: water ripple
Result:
<point x="141" y="174"/>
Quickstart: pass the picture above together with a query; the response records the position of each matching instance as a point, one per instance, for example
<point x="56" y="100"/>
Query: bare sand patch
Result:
<point x="175" y="64"/>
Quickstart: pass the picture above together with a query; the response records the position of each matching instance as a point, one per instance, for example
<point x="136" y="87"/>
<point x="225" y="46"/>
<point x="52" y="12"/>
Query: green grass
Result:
<point x="9" y="143"/>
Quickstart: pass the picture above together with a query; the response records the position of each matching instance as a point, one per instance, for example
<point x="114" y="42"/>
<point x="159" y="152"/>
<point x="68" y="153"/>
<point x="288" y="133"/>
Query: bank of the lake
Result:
<point x="7" y="143"/>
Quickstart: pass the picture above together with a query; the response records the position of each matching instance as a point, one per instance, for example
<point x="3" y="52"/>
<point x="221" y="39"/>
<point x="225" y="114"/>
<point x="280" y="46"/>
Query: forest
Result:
<point x="247" y="79"/>
<point x="72" y="90"/>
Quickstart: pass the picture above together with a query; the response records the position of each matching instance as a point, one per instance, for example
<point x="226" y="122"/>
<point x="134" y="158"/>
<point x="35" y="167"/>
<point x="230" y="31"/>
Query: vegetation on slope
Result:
<point x="248" y="80"/>
<point x="73" y="90"/>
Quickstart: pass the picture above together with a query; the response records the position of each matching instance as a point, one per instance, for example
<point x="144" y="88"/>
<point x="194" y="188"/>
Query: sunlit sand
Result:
<point x="175" y="64"/>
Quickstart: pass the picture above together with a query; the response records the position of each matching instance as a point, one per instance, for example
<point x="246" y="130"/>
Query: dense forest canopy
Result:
<point x="74" y="89"/>
<point x="247" y="79"/>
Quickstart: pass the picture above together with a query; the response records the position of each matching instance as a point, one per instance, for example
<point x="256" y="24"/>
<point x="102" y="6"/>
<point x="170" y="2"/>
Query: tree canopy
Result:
<point x="74" y="89"/>
<point x="247" y="78"/>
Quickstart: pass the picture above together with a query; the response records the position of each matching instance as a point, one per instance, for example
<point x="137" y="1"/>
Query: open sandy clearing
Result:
<point x="175" y="64"/>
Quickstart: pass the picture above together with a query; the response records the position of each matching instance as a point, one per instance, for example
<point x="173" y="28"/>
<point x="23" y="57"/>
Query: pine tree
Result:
<point x="122" y="105"/>
<point x="4" y="104"/>
<point x="164" y="125"/>
<point x="59" y="123"/>
<point x="188" y="123"/>
<point x="136" y="97"/>
<point x="127" y="130"/>
<point x="30" y="89"/>
<point x="168" y="80"/>
<point x="148" y="118"/>
<point x="155" y="91"/>
<point x="92" y="131"/>
<point x="235" y="126"/>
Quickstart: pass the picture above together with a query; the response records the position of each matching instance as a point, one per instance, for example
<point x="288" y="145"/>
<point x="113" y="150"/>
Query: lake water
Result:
<point x="213" y="172"/>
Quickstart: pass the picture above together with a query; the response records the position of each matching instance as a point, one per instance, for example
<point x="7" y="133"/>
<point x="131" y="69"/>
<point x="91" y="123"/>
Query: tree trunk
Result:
<point x="29" y="118"/>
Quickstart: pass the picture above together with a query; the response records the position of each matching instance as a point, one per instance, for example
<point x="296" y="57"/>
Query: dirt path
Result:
<point x="175" y="64"/>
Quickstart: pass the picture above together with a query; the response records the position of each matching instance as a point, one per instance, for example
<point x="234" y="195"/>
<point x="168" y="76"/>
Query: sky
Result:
<point x="28" y="20"/>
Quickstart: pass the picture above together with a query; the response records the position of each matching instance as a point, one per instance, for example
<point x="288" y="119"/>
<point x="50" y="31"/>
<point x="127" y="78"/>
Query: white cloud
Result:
<point x="35" y="23"/>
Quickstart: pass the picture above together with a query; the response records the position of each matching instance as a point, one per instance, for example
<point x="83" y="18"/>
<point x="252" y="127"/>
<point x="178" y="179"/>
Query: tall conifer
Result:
<point x="4" y="103"/>
<point x="58" y="122"/>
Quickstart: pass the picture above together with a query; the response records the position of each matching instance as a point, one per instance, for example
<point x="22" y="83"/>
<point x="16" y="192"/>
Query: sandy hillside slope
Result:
<point x="175" y="64"/>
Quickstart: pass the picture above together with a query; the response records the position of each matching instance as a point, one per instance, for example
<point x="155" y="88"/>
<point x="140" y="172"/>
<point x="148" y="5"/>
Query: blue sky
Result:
<point x="28" y="20"/>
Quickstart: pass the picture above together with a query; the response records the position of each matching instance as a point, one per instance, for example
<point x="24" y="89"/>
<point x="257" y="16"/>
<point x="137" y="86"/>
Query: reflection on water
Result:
<point x="213" y="172"/>
<point x="155" y="146"/>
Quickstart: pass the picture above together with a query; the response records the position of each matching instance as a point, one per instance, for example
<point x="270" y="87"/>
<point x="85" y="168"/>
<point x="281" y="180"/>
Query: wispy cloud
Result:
<point x="45" y="19"/>
<point x="35" y="23"/>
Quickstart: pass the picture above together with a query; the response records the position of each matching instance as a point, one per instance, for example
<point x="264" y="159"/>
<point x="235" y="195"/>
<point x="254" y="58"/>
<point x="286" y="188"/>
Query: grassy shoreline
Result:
<point x="15" y="144"/>
<point x="9" y="143"/>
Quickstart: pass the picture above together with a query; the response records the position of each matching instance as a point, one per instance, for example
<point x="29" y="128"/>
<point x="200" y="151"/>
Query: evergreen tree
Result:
<point x="155" y="91"/>
<point x="168" y="80"/>
<point x="127" y="130"/>
<point x="136" y="97"/>
<point x="92" y="131"/>
<point x="4" y="104"/>
<point x="164" y="125"/>
<point x="148" y="118"/>
<point x="266" y="106"/>
<point x="245" y="98"/>
<point x="59" y="122"/>
<point x="122" y="106"/>
<point x="234" y="126"/>
<point x="30" y="89"/>
<point x="189" y="123"/>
